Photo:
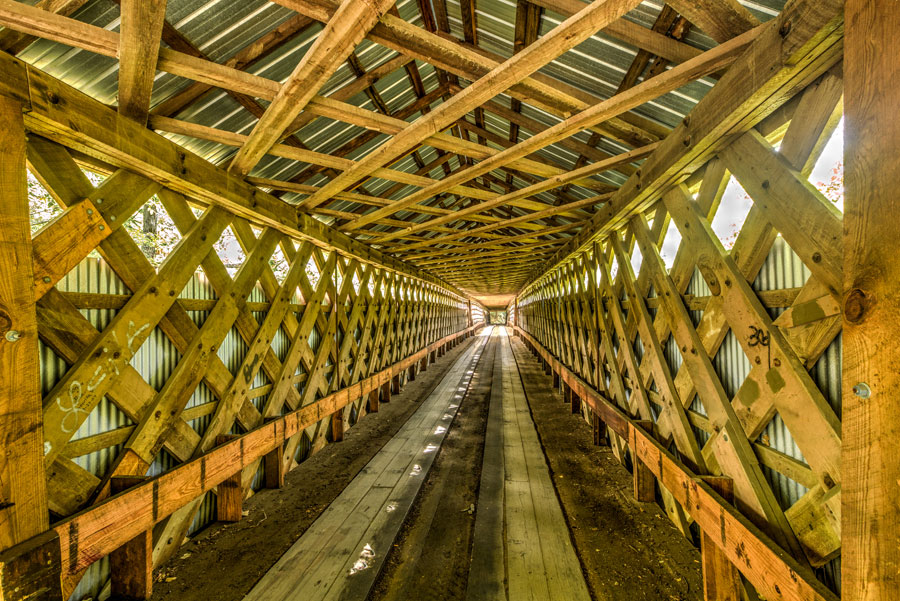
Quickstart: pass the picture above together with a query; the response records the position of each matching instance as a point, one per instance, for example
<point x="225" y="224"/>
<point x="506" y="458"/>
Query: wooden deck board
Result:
<point x="540" y="561"/>
<point x="370" y="511"/>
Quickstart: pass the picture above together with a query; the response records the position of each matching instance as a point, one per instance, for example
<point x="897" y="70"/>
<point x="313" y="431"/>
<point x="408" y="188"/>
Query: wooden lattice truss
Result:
<point x="469" y="225"/>
<point x="478" y="233"/>
<point x="612" y="326"/>
<point x="366" y="320"/>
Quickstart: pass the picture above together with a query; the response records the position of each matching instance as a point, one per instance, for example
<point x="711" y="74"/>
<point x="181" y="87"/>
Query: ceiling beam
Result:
<point x="139" y="40"/>
<point x="708" y="62"/>
<point x="803" y="42"/>
<point x="567" y="35"/>
<point x="721" y="19"/>
<point x="333" y="46"/>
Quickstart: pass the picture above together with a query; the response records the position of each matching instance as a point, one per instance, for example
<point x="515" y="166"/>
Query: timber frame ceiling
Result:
<point x="475" y="140"/>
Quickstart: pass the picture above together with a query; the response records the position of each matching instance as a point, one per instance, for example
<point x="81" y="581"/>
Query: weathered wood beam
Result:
<point x="335" y="42"/>
<point x="201" y="132"/>
<point x="871" y="362"/>
<point x="570" y="33"/>
<point x="808" y="35"/>
<point x="139" y="43"/>
<point x="632" y="33"/>
<point x="548" y="184"/>
<point x="710" y="61"/>
<point x="241" y="60"/>
<point x="721" y="19"/>
<point x="23" y="490"/>
<point x="14" y="41"/>
<point x="58" y="111"/>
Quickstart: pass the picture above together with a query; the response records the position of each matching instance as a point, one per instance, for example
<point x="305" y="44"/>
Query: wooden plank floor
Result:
<point x="521" y="549"/>
<point x="341" y="554"/>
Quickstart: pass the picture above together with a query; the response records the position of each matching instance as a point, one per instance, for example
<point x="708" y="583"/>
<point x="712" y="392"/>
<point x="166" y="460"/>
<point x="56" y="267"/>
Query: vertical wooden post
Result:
<point x="337" y="425"/>
<point x="411" y="373"/>
<point x="229" y="494"/>
<point x="273" y="467"/>
<point x="644" y="480"/>
<point x="721" y="580"/>
<point x="23" y="490"/>
<point x="386" y="392"/>
<point x="601" y="434"/>
<point x="870" y="555"/>
<point x="575" y="401"/>
<point x="131" y="565"/>
<point x="556" y="380"/>
<point x="374" y="400"/>
<point x="395" y="384"/>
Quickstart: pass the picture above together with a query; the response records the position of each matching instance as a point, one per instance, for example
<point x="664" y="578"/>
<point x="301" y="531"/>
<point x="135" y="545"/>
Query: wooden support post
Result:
<point x="374" y="400"/>
<point x="32" y="569"/>
<point x="870" y="513"/>
<point x="386" y="392"/>
<point x="556" y="380"/>
<point x="337" y="425"/>
<point x="395" y="384"/>
<point x="229" y="494"/>
<point x="131" y="565"/>
<point x="601" y="434"/>
<point x="721" y="579"/>
<point x="411" y="373"/>
<point x="575" y="402"/>
<point x="432" y="357"/>
<point x="273" y="467"/>
<point x="644" y="480"/>
<point x="423" y="364"/>
<point x="23" y="493"/>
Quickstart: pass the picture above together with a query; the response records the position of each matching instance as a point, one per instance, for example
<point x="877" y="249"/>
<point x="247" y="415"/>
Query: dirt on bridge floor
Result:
<point x="224" y="561"/>
<point x="629" y="551"/>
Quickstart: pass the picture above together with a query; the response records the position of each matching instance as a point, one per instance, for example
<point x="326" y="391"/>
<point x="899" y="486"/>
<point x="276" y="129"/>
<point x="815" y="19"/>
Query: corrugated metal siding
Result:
<point x="155" y="361"/>
<point x="220" y="28"/>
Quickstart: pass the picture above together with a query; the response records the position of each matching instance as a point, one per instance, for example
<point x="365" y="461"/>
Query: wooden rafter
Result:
<point x="139" y="42"/>
<point x="335" y="42"/>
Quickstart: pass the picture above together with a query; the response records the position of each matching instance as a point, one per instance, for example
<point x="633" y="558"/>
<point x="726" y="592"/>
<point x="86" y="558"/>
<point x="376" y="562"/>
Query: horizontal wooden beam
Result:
<point x="710" y="61"/>
<point x="790" y="51"/>
<point x="94" y="533"/>
<point x="58" y="111"/>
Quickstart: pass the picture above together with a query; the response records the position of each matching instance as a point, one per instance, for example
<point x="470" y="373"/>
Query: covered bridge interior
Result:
<point x="449" y="299"/>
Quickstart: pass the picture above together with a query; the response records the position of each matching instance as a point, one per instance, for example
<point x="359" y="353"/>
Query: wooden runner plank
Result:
<point x="341" y="554"/>
<point x="549" y="562"/>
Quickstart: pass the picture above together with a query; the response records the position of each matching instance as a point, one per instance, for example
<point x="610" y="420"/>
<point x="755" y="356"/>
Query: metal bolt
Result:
<point x="99" y="201"/>
<point x="112" y="217"/>
<point x="90" y="211"/>
<point x="862" y="390"/>
<point x="12" y="335"/>
<point x="47" y="279"/>
<point x="102" y="227"/>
